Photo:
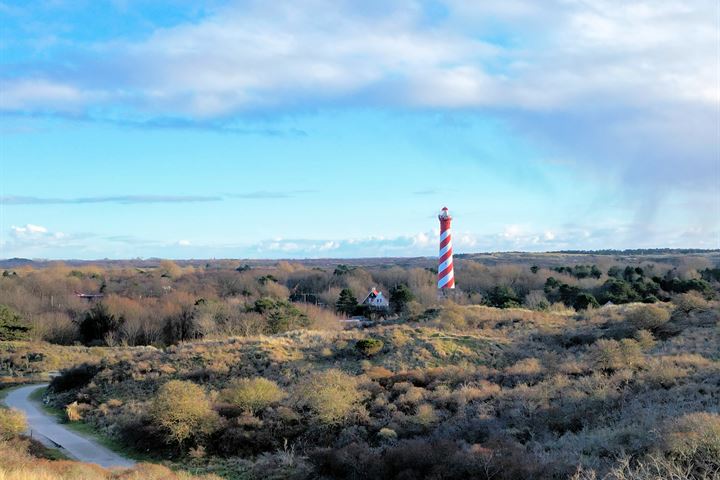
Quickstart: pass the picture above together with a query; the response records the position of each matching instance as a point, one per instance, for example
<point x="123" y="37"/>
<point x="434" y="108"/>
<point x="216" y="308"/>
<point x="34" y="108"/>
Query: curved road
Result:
<point x="47" y="429"/>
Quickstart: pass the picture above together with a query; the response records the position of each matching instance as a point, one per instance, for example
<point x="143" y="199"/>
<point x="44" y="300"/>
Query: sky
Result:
<point x="332" y="128"/>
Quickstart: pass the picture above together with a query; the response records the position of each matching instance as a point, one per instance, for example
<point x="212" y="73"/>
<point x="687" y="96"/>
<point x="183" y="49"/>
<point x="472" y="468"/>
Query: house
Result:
<point x="376" y="300"/>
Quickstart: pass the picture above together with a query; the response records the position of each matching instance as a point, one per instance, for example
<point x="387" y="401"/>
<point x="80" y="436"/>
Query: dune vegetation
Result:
<point x="585" y="368"/>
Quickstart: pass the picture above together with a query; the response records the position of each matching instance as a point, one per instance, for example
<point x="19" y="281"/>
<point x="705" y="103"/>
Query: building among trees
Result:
<point x="376" y="300"/>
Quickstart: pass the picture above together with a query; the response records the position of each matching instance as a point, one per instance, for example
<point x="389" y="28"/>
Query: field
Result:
<point x="558" y="365"/>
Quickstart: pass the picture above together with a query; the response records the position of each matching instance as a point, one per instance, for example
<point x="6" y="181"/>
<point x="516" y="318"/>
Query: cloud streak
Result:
<point x="11" y="200"/>
<point x="161" y="122"/>
<point x="35" y="240"/>
<point x="264" y="194"/>
<point x="120" y="199"/>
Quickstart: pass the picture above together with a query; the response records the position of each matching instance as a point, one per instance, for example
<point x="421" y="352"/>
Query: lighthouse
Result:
<point x="446" y="275"/>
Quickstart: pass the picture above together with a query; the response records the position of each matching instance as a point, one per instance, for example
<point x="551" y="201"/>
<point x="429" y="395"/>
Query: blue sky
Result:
<point x="338" y="129"/>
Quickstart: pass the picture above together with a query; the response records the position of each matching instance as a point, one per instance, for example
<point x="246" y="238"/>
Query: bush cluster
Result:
<point x="369" y="346"/>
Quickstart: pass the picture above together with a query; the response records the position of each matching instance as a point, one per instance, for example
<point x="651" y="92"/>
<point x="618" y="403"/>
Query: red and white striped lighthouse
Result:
<point x="446" y="275"/>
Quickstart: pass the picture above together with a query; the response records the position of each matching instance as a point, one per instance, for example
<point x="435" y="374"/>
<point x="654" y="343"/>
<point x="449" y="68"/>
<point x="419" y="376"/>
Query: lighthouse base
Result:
<point x="449" y="293"/>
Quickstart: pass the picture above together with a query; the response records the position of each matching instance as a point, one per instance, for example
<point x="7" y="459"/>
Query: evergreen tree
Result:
<point x="182" y="327"/>
<point x="11" y="325"/>
<point x="502" y="297"/>
<point x="585" y="300"/>
<point x="280" y="315"/>
<point x="618" y="291"/>
<point x="97" y="323"/>
<point x="400" y="296"/>
<point x="346" y="302"/>
<point x="615" y="272"/>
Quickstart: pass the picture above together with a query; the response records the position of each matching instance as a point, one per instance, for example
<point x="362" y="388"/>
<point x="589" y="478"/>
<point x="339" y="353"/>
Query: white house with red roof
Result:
<point x="375" y="299"/>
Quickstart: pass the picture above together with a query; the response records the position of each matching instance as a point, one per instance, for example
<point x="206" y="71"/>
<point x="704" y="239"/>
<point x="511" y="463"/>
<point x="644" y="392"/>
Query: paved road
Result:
<point x="46" y="428"/>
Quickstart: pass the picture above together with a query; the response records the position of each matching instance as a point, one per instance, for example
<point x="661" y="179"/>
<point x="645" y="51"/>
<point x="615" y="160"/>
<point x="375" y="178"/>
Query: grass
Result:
<point x="48" y="453"/>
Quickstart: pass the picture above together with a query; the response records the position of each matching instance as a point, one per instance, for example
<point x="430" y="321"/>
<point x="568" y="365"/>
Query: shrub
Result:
<point x="387" y="434"/>
<point x="536" y="300"/>
<point x="424" y="458"/>
<point x="74" y="411"/>
<point x="182" y="326"/>
<point x="677" y="285"/>
<point x="662" y="373"/>
<point x="584" y="300"/>
<point x="694" y="441"/>
<point x="502" y="297"/>
<point x="97" y="324"/>
<point x="648" y="317"/>
<point x="527" y="367"/>
<point x="76" y="377"/>
<point x="378" y="373"/>
<point x="281" y="315"/>
<point x="11" y="325"/>
<point x="451" y="316"/>
<point x="618" y="291"/>
<point x="331" y="395"/>
<point x="614" y="355"/>
<point x="480" y="391"/>
<point x="687" y="302"/>
<point x="252" y="394"/>
<point x="645" y="339"/>
<point x="12" y="423"/>
<point x="183" y="410"/>
<point x="369" y="346"/>
<point x="425" y="415"/>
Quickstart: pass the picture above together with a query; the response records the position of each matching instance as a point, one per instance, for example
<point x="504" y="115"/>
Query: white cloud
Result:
<point x="419" y="244"/>
<point x="602" y="235"/>
<point x="31" y="240"/>
<point x="465" y="241"/>
<point x="40" y="94"/>
<point x="184" y="243"/>
<point x="277" y="54"/>
<point x="28" y="229"/>
<point x="329" y="245"/>
<point x="424" y="239"/>
<point x="512" y="232"/>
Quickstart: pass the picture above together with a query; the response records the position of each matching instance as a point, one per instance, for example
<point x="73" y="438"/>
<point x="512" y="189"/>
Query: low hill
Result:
<point x="461" y="391"/>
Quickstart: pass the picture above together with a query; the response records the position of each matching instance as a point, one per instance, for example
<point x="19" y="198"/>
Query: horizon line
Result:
<point x="604" y="251"/>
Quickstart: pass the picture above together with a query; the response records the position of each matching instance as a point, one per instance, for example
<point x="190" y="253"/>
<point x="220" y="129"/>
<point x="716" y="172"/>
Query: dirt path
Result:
<point x="47" y="429"/>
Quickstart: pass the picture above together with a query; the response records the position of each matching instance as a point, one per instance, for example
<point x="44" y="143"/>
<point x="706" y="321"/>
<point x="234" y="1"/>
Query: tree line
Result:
<point x="167" y="304"/>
